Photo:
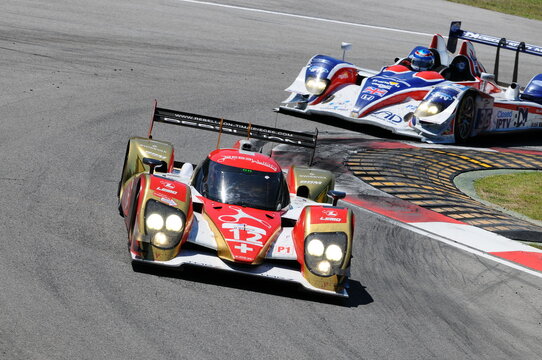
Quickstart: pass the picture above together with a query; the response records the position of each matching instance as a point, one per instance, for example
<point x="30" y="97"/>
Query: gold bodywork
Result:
<point x="318" y="182"/>
<point x="140" y="148"/>
<point x="151" y="252"/>
<point x="334" y="282"/>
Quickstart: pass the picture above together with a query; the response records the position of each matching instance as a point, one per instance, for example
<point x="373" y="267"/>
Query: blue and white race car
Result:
<point x="433" y="94"/>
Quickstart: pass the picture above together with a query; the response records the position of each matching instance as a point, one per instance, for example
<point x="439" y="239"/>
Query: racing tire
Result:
<point x="464" y="120"/>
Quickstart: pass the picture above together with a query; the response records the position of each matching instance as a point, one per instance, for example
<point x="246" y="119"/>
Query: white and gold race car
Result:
<point x="237" y="210"/>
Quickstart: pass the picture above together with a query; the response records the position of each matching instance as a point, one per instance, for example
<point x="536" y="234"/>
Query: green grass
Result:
<point x="531" y="9"/>
<point x="519" y="192"/>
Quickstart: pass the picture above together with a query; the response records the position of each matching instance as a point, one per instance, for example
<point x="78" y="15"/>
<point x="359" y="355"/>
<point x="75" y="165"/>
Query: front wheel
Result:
<point x="464" y="120"/>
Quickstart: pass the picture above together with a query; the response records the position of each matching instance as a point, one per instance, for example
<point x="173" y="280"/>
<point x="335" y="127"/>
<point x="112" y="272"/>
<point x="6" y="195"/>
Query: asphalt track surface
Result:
<point x="78" y="78"/>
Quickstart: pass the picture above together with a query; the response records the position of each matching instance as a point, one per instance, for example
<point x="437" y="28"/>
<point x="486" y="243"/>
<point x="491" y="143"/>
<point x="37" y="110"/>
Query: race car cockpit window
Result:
<point x="244" y="187"/>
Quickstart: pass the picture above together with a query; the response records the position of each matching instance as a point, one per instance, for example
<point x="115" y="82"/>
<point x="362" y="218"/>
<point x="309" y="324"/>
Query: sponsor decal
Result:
<point x="240" y="214"/>
<point x="284" y="249"/>
<point x="318" y="69"/>
<point x="385" y="84"/>
<point x="167" y="190"/>
<point x="442" y="96"/>
<point x="338" y="105"/>
<point x="331" y="219"/>
<point x="375" y="91"/>
<point x="503" y="119"/>
<point x="537" y="124"/>
<point x="382" y="86"/>
<point x="192" y="120"/>
<point x="504" y="114"/>
<point x="247" y="237"/>
<point x="167" y="185"/>
<point x="495" y="40"/>
<point x="366" y="97"/>
<point x="312" y="176"/>
<point x="310" y="182"/>
<point x="388" y="116"/>
<point x="483" y="118"/>
<point x="153" y="147"/>
<point x="168" y="201"/>
<point x="522" y="116"/>
<point x="332" y="213"/>
<point x="248" y="158"/>
<point x="153" y="154"/>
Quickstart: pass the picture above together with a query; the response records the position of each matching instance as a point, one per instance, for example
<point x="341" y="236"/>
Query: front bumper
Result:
<point x="271" y="271"/>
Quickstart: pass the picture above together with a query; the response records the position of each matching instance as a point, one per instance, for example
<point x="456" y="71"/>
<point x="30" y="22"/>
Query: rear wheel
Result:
<point x="464" y="120"/>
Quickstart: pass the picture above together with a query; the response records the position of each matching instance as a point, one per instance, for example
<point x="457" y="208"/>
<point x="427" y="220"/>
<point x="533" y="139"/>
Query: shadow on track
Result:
<point x="346" y="125"/>
<point x="357" y="293"/>
<point x="532" y="137"/>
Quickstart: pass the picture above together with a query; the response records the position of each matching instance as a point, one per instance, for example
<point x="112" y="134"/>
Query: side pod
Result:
<point x="310" y="183"/>
<point x="139" y="148"/>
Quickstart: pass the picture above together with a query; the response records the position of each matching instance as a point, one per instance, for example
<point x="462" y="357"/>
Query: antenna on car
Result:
<point x="219" y="133"/>
<point x="155" y="104"/>
<point x="345" y="47"/>
<point x="311" y="160"/>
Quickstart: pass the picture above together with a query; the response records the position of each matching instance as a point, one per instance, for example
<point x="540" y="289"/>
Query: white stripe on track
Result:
<point x="305" y="17"/>
<point x="412" y="227"/>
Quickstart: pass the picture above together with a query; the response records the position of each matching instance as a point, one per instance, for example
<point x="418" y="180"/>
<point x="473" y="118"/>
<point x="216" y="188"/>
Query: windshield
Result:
<point x="244" y="187"/>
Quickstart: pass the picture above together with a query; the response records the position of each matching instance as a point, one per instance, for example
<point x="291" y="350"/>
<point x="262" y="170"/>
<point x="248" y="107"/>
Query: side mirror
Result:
<point x="336" y="196"/>
<point x="487" y="77"/>
<point x="345" y="47"/>
<point x="152" y="164"/>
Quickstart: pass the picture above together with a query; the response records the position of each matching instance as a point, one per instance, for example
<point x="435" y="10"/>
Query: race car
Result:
<point x="237" y="210"/>
<point x="432" y="94"/>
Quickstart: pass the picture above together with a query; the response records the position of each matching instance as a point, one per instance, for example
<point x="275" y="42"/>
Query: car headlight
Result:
<point x="155" y="221"/>
<point x="315" y="247"/>
<point x="163" y="224"/>
<point x="334" y="253"/>
<point x="428" y="108"/>
<point x="174" y="223"/>
<point x="325" y="252"/>
<point x="160" y="239"/>
<point x="316" y="86"/>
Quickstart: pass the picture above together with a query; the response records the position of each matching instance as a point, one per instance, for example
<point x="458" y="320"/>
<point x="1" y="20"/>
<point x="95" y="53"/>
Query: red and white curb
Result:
<point x="456" y="233"/>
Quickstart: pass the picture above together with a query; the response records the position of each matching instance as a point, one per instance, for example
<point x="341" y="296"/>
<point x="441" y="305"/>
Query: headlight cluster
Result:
<point x="316" y="86"/>
<point x="428" y="108"/>
<point x="325" y="252"/>
<point x="163" y="224"/>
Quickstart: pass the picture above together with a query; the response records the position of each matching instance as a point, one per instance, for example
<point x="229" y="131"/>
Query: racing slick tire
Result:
<point x="464" y="120"/>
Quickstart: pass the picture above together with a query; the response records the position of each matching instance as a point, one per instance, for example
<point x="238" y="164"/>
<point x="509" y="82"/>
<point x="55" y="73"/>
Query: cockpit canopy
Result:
<point x="233" y="185"/>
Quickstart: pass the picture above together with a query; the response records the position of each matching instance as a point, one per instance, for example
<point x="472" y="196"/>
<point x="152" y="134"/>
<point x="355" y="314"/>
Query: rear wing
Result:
<point x="231" y="127"/>
<point x="500" y="43"/>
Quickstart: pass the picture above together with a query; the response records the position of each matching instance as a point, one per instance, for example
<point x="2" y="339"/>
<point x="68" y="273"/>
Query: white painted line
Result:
<point x="305" y="17"/>
<point x="467" y="248"/>
<point x="451" y="242"/>
<point x="475" y="237"/>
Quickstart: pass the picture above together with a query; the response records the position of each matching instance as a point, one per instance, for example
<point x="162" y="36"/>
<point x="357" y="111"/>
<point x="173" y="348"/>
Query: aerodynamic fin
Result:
<point x="499" y="43"/>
